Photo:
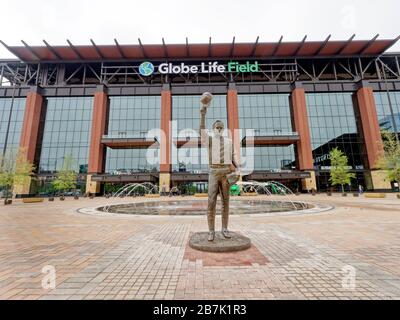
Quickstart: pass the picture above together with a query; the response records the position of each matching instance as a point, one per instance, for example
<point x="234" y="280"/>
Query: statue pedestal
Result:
<point x="237" y="242"/>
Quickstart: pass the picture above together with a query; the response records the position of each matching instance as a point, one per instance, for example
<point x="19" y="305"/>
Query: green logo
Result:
<point x="247" y="67"/>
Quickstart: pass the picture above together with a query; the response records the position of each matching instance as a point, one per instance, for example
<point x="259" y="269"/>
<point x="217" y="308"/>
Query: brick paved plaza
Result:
<point x="147" y="257"/>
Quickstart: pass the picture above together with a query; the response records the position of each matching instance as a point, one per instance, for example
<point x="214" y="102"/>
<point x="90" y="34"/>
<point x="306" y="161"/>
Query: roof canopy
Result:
<point x="93" y="52"/>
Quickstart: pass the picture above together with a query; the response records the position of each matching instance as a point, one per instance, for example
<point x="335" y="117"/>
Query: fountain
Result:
<point x="174" y="190"/>
<point x="199" y="207"/>
<point x="272" y="188"/>
<point x="129" y="189"/>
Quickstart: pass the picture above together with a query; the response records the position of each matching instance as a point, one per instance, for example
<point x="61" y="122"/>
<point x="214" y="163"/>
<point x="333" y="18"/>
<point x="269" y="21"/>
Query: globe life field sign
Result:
<point x="147" y="68"/>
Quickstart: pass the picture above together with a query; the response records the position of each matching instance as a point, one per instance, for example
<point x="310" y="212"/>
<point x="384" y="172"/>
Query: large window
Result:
<point x="186" y="117"/>
<point x="333" y="123"/>
<point x="186" y="111"/>
<point x="66" y="133"/>
<point x="265" y="113"/>
<point x="127" y="161"/>
<point x="269" y="158"/>
<point x="133" y="117"/>
<point x="11" y="120"/>
<point x="385" y="117"/>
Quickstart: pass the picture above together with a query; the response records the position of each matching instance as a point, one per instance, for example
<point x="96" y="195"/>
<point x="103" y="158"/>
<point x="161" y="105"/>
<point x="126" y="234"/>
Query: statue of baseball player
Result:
<point x="222" y="168"/>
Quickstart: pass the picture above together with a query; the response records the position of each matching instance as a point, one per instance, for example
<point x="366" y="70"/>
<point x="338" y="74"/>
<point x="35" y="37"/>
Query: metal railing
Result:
<point x="263" y="133"/>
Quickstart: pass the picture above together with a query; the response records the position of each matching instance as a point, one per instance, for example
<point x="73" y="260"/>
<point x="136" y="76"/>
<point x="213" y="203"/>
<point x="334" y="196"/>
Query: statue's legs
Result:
<point x="213" y="188"/>
<point x="224" y="190"/>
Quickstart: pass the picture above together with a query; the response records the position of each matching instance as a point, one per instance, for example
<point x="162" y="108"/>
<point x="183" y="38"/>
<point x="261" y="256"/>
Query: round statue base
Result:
<point x="237" y="242"/>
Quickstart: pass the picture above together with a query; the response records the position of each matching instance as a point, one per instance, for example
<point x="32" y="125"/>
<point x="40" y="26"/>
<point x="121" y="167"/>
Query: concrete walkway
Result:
<point x="351" y="252"/>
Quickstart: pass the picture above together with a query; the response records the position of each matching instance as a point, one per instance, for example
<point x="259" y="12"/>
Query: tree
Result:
<point x="390" y="159"/>
<point x="15" y="170"/>
<point x="340" y="172"/>
<point x="66" y="177"/>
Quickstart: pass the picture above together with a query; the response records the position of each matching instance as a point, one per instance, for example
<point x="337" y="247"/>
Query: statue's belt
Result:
<point x="219" y="166"/>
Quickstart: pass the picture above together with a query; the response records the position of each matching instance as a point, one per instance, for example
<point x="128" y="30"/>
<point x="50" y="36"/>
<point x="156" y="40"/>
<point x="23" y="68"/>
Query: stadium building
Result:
<point x="99" y="104"/>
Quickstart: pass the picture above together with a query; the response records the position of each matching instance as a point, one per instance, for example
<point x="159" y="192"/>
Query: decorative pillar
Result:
<point x="372" y="135"/>
<point x="301" y="126"/>
<point x="96" y="148"/>
<point x="165" y="143"/>
<point x="30" y="131"/>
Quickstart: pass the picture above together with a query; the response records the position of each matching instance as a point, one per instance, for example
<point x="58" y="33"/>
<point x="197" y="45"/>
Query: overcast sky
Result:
<point x="126" y="20"/>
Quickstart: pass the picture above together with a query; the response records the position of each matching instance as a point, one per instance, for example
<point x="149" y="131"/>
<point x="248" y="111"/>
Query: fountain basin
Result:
<point x="199" y="207"/>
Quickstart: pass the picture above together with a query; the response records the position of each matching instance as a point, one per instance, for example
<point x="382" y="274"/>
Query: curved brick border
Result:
<point x="315" y="209"/>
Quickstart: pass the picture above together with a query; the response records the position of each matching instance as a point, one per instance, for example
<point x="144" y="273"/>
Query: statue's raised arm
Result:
<point x="205" y="103"/>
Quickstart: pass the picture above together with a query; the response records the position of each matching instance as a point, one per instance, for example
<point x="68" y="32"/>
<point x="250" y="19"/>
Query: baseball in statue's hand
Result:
<point x="206" y="98"/>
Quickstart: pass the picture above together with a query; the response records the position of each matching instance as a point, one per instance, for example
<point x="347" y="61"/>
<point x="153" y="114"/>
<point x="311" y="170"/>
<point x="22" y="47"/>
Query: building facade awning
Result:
<point x="128" y="143"/>
<point x="210" y="50"/>
<point x="126" y="178"/>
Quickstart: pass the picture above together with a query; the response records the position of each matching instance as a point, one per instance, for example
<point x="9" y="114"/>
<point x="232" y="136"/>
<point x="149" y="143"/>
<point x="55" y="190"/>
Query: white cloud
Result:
<point x="126" y="20"/>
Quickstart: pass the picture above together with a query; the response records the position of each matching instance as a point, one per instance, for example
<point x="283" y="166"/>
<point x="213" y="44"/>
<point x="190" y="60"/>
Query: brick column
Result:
<point x="165" y="143"/>
<point x="30" y="130"/>
<point x="371" y="132"/>
<point x="233" y="117"/>
<point x="30" y="126"/>
<point x="304" y="149"/>
<point x="96" y="148"/>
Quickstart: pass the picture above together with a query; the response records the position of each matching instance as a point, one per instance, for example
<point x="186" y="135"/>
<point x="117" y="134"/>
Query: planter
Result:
<point x="32" y="200"/>
<point x="329" y="194"/>
<point x="375" y="195"/>
<point x="7" y="202"/>
<point x="398" y="196"/>
<point x="151" y="195"/>
<point x="76" y="197"/>
<point x="203" y="195"/>
<point x="356" y="195"/>
<point x="62" y="198"/>
<point x="51" y="199"/>
<point x="344" y="194"/>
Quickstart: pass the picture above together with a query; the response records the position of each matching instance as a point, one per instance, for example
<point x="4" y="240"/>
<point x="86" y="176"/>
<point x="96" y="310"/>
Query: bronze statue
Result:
<point x="222" y="166"/>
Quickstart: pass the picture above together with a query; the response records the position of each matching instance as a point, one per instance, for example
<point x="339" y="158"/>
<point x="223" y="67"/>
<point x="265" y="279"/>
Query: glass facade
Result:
<point x="333" y="119"/>
<point x="126" y="161"/>
<point x="66" y="133"/>
<point x="269" y="158"/>
<point x="186" y="117"/>
<point x="385" y="117"/>
<point x="333" y="123"/>
<point x="15" y="121"/>
<point x="133" y="117"/>
<point x="265" y="113"/>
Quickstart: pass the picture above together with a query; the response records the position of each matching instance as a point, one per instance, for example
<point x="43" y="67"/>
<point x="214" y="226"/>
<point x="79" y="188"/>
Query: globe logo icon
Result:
<point x="146" y="68"/>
